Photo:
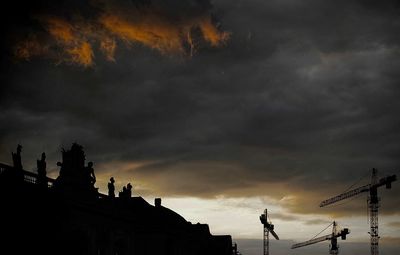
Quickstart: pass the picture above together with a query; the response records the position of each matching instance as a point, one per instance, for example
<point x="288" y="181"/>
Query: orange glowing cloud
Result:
<point x="211" y="33"/>
<point x="107" y="46"/>
<point x="159" y="36"/>
<point x="77" y="40"/>
<point x="29" y="48"/>
<point x="60" y="29"/>
<point x="65" y="43"/>
<point x="82" y="54"/>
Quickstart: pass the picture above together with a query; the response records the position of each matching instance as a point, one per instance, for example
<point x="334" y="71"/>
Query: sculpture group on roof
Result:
<point x="126" y="191"/>
<point x="74" y="174"/>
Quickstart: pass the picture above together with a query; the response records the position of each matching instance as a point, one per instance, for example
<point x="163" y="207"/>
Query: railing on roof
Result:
<point x="32" y="178"/>
<point x="29" y="177"/>
<point x="4" y="168"/>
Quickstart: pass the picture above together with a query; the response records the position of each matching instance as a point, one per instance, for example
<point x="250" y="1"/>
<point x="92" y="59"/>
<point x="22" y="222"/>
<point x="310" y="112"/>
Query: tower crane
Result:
<point x="373" y="203"/>
<point x="268" y="228"/>
<point x="334" y="247"/>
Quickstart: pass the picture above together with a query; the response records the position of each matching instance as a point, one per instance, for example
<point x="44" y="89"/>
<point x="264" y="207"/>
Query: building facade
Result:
<point x="67" y="215"/>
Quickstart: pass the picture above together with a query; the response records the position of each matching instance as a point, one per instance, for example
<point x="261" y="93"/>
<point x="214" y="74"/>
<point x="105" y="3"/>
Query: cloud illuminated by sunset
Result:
<point x="77" y="40"/>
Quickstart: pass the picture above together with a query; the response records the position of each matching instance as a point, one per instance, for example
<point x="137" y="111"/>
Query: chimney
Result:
<point x="157" y="202"/>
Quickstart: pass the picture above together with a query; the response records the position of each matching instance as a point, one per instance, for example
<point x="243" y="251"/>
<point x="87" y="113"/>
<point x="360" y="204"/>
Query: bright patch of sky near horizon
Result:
<point x="239" y="217"/>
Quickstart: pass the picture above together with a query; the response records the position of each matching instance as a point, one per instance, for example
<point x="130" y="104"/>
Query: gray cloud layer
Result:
<point x="302" y="100"/>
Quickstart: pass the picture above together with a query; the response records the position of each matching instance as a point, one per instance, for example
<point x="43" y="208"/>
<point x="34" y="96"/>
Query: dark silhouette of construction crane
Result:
<point x="373" y="203"/>
<point x="268" y="227"/>
<point x="334" y="247"/>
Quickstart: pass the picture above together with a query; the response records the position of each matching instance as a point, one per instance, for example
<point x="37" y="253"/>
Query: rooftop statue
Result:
<point x="73" y="172"/>
<point x="111" y="187"/>
<point x="41" y="169"/>
<point x="17" y="157"/>
<point x="18" y="171"/>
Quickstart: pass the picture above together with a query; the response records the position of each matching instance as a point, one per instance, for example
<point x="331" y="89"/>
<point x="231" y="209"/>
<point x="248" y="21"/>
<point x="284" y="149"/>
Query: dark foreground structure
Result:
<point x="68" y="216"/>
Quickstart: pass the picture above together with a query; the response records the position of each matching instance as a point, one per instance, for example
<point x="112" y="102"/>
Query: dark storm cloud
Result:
<point x="303" y="101"/>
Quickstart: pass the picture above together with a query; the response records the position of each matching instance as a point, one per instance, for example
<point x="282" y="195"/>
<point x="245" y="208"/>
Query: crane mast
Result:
<point x="266" y="241"/>
<point x="334" y="249"/>
<point x="373" y="203"/>
<point x="268" y="228"/>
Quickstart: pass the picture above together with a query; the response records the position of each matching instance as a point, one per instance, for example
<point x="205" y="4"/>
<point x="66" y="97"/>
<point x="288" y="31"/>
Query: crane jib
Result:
<point x="384" y="181"/>
<point x="274" y="234"/>
<point x="341" y="234"/>
<point x="345" y="195"/>
<point x="312" y="241"/>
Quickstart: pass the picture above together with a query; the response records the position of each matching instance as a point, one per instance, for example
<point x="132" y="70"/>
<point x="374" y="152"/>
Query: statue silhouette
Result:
<point x="17" y="158"/>
<point x="18" y="173"/>
<point x="122" y="194"/>
<point x="41" y="169"/>
<point x="75" y="176"/>
<point x="89" y="174"/>
<point x="111" y="187"/>
<point x="129" y="190"/>
<point x="126" y="191"/>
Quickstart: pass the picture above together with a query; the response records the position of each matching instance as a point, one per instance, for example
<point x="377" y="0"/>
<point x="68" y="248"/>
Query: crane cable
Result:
<point x="351" y="186"/>
<point x="356" y="196"/>
<point x="349" y="200"/>
<point x="322" y="231"/>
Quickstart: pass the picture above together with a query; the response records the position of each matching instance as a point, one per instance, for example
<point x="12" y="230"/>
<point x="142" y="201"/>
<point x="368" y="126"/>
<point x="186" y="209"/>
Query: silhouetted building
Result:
<point x="68" y="216"/>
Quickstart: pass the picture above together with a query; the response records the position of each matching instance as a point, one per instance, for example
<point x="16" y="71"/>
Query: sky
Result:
<point x="222" y="108"/>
